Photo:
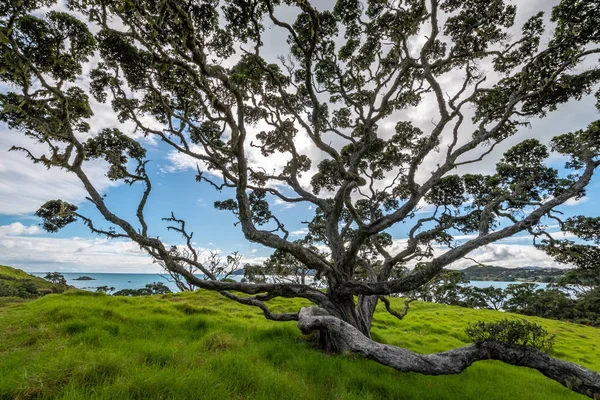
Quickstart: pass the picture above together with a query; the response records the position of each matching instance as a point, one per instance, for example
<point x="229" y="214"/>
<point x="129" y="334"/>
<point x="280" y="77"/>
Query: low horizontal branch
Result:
<point x="287" y="290"/>
<point x="570" y="375"/>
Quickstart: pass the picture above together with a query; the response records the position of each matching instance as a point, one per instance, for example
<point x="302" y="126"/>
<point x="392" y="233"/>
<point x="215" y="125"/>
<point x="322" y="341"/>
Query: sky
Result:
<point x="24" y="187"/>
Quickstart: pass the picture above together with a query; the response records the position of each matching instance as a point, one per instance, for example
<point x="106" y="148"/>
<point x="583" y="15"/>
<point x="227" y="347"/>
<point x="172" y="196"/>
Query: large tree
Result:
<point x="353" y="82"/>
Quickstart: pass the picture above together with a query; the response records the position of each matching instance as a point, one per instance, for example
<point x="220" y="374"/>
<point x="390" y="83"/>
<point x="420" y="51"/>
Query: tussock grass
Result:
<point x="14" y="273"/>
<point x="81" y="345"/>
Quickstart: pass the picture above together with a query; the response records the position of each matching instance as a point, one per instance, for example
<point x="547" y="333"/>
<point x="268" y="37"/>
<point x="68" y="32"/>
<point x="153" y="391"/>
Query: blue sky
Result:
<point x="24" y="187"/>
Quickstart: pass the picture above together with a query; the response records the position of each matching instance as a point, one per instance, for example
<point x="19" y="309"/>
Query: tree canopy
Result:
<point x="353" y="78"/>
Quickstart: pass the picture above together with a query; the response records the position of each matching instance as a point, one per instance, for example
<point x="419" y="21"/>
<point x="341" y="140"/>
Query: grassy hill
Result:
<point x="18" y="283"/>
<point x="14" y="273"/>
<point x="81" y="345"/>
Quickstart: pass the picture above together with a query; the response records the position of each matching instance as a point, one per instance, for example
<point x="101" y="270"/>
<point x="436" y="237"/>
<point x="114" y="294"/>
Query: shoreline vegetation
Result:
<point x="531" y="274"/>
<point x="566" y="302"/>
<point x="520" y="274"/>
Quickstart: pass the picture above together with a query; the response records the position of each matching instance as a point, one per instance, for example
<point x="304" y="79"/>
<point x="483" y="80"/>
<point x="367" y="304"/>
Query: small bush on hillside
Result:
<point x="148" y="290"/>
<point x="516" y="331"/>
<point x="27" y="289"/>
<point x="7" y="291"/>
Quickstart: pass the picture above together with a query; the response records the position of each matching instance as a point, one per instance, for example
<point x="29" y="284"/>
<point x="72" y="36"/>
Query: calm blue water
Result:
<point x="118" y="281"/>
<point x="137" y="281"/>
<point x="501" y="285"/>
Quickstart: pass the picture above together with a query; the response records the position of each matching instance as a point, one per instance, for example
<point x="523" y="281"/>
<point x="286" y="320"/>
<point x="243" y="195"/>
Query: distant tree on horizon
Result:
<point x="55" y="277"/>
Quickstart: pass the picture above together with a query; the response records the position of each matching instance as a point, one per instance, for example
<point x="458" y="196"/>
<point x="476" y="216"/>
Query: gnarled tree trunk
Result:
<point x="358" y="315"/>
<point x="570" y="375"/>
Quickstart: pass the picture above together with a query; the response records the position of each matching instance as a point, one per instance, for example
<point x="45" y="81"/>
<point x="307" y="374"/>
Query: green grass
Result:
<point x="14" y="273"/>
<point x="81" y="345"/>
<point x="15" y="277"/>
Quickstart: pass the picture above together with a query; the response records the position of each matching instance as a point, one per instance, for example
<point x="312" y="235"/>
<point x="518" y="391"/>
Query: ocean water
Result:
<point x="118" y="281"/>
<point x="138" y="281"/>
<point x="502" y="285"/>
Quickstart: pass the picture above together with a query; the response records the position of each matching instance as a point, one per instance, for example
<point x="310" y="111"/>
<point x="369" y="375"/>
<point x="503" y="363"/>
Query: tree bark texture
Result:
<point x="568" y="374"/>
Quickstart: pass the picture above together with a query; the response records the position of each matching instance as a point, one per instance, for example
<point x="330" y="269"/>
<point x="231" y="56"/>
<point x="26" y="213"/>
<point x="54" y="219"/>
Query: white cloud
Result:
<point x="511" y="252"/>
<point x="509" y="256"/>
<point x="177" y="162"/>
<point x="25" y="186"/>
<point x="47" y="253"/>
<point x="253" y="260"/>
<point x="299" y="232"/>
<point x="42" y="254"/>
<point x="17" y="229"/>
<point x="574" y="202"/>
<point x="283" y="204"/>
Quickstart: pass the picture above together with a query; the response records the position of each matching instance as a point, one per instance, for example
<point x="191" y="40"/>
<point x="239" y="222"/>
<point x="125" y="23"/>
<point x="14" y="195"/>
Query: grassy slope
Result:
<point x="202" y="346"/>
<point x="14" y="272"/>
<point x="15" y="277"/>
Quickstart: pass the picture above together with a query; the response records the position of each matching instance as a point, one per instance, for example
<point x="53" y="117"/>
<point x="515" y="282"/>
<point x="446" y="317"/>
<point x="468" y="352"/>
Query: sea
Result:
<point x="138" y="281"/>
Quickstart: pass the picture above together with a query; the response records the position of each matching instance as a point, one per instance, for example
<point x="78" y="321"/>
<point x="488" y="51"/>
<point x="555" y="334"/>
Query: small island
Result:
<point x="84" y="278"/>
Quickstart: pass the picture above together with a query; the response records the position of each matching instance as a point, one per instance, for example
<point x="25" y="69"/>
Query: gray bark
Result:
<point x="570" y="375"/>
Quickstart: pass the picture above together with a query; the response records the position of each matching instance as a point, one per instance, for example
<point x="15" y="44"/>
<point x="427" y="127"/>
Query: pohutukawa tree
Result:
<point x="354" y="82"/>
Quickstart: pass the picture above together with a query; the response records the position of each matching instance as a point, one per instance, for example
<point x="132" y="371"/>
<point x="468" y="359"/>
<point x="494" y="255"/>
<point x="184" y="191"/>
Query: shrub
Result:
<point x="516" y="331"/>
<point x="148" y="290"/>
<point x="7" y="291"/>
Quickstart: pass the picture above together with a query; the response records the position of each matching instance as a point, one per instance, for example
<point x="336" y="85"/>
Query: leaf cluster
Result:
<point x="511" y="332"/>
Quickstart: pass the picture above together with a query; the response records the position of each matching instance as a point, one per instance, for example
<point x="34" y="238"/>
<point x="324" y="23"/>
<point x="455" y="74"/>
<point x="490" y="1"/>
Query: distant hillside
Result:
<point x="14" y="272"/>
<point x="524" y="274"/>
<point x="18" y="283"/>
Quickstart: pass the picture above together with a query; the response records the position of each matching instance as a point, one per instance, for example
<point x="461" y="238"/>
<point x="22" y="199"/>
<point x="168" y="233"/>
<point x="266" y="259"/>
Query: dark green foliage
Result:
<point x="104" y="289"/>
<point x="511" y="331"/>
<point x="55" y="277"/>
<point x="56" y="214"/>
<point x="7" y="290"/>
<point x="445" y="288"/>
<point x="490" y="297"/>
<point x="17" y="283"/>
<point x="149" y="290"/>
<point x="116" y="148"/>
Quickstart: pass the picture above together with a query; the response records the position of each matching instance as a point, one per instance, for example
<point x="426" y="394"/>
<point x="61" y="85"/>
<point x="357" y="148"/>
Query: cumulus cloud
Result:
<point x="506" y="255"/>
<point x="17" y="229"/>
<point x="574" y="202"/>
<point x="300" y="232"/>
<point x="511" y="252"/>
<point x="40" y="254"/>
<point x="509" y="256"/>
<point x="283" y="204"/>
<point x="18" y="248"/>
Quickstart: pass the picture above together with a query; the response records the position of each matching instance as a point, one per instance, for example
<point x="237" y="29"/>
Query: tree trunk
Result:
<point x="366" y="310"/>
<point x="570" y="375"/>
<point x="360" y="316"/>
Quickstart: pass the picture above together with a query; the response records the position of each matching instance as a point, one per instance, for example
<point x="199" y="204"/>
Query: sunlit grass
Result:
<point x="202" y="346"/>
<point x="14" y="272"/>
